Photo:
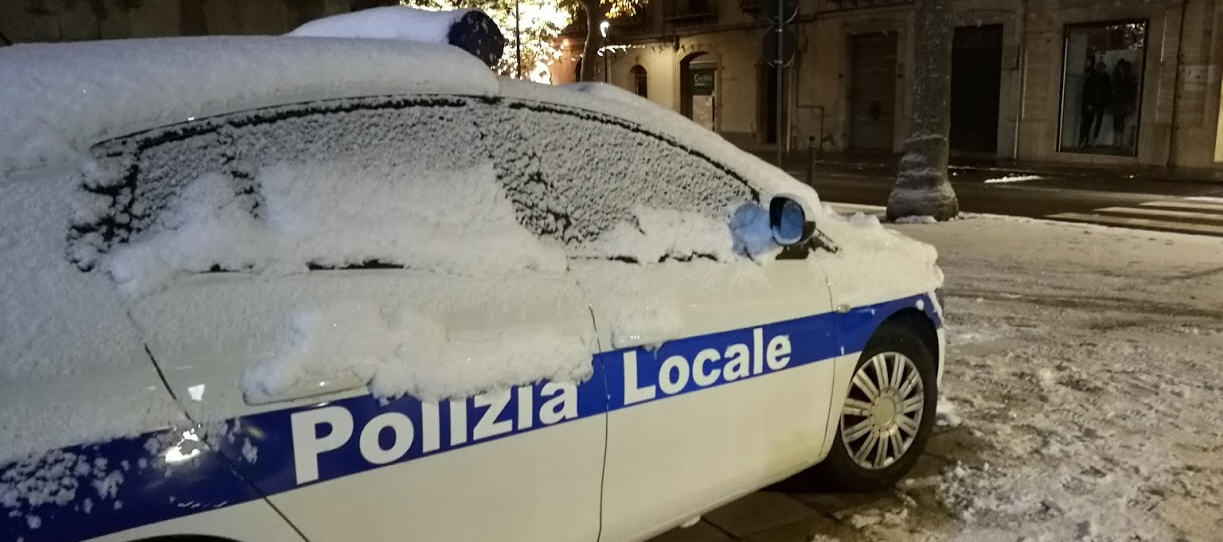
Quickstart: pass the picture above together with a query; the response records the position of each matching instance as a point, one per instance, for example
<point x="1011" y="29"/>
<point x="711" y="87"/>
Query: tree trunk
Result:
<point x="594" y="40"/>
<point x="922" y="187"/>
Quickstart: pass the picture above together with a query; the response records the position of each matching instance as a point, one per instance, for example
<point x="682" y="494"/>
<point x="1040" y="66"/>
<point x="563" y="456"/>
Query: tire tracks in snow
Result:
<point x="1090" y="301"/>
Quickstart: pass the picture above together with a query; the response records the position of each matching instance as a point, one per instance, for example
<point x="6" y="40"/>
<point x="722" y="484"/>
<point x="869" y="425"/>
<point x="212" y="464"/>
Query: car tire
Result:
<point x="845" y="469"/>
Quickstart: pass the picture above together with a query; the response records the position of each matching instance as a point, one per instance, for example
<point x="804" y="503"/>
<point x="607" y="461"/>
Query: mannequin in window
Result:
<point x="1124" y="98"/>
<point x="1096" y="95"/>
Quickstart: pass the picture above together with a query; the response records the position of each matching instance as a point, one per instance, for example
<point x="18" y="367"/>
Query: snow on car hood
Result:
<point x="873" y="263"/>
<point x="60" y="98"/>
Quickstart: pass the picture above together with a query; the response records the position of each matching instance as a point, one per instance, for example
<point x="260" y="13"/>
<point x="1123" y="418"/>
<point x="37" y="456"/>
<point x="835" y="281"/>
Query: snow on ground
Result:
<point x="1084" y="381"/>
<point x="915" y="219"/>
<point x="1013" y="179"/>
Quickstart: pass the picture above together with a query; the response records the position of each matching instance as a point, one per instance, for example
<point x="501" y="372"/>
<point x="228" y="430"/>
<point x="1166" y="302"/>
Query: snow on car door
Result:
<point x="718" y="382"/>
<point x="342" y="460"/>
<point x="712" y="360"/>
<point x="354" y="314"/>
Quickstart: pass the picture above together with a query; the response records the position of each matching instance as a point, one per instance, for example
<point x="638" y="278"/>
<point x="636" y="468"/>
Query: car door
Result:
<point x="714" y="362"/>
<point x="719" y="383"/>
<point x="383" y="359"/>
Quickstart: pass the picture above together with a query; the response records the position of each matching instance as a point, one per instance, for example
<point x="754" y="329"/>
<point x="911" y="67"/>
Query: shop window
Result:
<point x="639" y="81"/>
<point x="1102" y="67"/>
<point x="698" y="87"/>
<point x="1219" y="130"/>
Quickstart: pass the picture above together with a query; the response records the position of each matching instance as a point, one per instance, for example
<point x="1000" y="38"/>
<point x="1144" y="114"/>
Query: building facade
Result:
<point x="73" y="20"/>
<point x="1080" y="81"/>
<point x="1124" y="82"/>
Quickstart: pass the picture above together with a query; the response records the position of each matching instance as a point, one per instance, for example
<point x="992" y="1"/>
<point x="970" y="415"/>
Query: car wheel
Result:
<point x="887" y="415"/>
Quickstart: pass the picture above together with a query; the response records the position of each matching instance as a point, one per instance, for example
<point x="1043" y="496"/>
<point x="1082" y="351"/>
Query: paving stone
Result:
<point x="701" y="532"/>
<point x="883" y="501"/>
<point x="921" y="486"/>
<point x="816" y="527"/>
<point x="758" y="512"/>
<point x="958" y="444"/>
<point x="928" y="465"/>
<point x="831" y="503"/>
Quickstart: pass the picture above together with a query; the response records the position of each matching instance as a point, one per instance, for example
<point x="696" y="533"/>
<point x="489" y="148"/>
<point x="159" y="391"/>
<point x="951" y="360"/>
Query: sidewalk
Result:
<point x="1145" y="179"/>
<point x="1162" y="199"/>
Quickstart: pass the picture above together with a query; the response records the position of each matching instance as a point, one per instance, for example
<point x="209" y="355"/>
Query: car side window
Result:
<point x="143" y="180"/>
<point x="588" y="172"/>
<point x="391" y="169"/>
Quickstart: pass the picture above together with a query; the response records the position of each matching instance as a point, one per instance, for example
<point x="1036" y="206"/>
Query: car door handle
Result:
<point x="305" y="389"/>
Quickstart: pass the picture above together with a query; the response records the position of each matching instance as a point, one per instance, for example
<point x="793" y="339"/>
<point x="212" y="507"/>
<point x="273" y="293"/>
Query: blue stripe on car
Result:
<point x="161" y="475"/>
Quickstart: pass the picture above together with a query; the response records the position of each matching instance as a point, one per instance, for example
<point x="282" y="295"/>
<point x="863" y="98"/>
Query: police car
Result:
<point x="573" y="315"/>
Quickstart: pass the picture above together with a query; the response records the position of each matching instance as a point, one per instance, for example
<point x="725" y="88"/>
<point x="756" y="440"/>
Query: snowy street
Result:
<point x="616" y="271"/>
<point x="1081" y="399"/>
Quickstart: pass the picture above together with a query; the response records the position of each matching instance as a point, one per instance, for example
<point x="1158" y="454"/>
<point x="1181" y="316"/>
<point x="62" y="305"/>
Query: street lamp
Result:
<point x="603" y="26"/>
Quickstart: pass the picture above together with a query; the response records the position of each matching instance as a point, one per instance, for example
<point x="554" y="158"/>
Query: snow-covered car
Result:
<point x="283" y="289"/>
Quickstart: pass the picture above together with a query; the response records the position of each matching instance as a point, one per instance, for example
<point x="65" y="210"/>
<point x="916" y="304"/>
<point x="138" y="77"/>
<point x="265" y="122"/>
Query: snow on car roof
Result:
<point x="60" y="98"/>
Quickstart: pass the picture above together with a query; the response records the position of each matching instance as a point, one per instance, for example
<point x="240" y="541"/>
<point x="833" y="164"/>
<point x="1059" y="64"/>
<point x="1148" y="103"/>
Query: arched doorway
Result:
<point x="698" y="88"/>
<point x="639" y="81"/>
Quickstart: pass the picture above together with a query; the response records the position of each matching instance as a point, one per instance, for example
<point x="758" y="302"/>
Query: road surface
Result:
<point x="1101" y="197"/>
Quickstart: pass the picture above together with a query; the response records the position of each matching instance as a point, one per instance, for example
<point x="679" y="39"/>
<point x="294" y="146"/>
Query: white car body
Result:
<point x="741" y="389"/>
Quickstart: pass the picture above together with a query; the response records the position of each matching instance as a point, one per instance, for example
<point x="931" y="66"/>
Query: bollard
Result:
<point x="811" y="160"/>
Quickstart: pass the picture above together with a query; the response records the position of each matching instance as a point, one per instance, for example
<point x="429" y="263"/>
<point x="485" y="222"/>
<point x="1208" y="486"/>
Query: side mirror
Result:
<point x="788" y="219"/>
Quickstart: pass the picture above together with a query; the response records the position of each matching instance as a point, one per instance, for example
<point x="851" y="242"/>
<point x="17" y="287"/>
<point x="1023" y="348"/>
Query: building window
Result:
<point x="690" y="10"/>
<point x="639" y="81"/>
<point x="1102" y="66"/>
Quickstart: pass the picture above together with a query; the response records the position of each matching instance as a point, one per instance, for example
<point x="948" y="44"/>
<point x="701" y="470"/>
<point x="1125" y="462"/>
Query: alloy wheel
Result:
<point x="883" y="411"/>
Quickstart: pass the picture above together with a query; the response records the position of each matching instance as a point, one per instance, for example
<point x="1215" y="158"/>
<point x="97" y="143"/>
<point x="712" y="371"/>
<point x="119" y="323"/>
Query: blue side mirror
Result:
<point x="788" y="220"/>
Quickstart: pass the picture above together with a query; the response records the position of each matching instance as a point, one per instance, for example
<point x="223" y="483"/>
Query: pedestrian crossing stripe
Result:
<point x="1198" y="215"/>
<point x="1183" y="204"/>
<point x="1169" y="212"/>
<point x="1140" y="223"/>
<point x="1195" y="215"/>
